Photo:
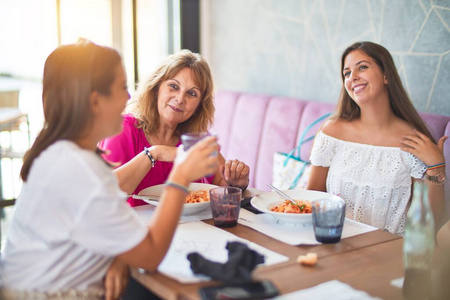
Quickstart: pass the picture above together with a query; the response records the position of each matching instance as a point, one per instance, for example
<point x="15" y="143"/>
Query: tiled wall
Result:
<point x="293" y="47"/>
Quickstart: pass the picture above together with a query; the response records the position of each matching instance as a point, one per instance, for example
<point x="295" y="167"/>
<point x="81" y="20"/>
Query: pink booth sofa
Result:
<point x="253" y="127"/>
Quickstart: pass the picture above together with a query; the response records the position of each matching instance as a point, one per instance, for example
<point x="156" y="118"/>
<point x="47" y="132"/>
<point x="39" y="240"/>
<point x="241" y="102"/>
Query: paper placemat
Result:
<point x="295" y="234"/>
<point x="145" y="213"/>
<point x="333" y="289"/>
<point x="210" y="242"/>
<point x="398" y="283"/>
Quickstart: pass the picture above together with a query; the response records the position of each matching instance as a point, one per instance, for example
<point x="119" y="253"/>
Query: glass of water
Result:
<point x="328" y="217"/>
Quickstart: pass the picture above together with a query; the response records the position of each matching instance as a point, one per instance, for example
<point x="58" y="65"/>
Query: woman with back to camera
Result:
<point x="177" y="98"/>
<point x="71" y="225"/>
<point x="375" y="143"/>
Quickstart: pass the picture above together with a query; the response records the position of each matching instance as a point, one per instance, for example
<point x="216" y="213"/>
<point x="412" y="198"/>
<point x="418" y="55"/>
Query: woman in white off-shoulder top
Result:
<point x="375" y="144"/>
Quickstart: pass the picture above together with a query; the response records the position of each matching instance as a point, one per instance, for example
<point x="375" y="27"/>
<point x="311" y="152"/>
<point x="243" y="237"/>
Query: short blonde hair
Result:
<point x="146" y="98"/>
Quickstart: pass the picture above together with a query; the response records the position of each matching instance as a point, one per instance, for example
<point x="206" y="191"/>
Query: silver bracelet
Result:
<point x="438" y="179"/>
<point x="177" y="186"/>
<point x="149" y="155"/>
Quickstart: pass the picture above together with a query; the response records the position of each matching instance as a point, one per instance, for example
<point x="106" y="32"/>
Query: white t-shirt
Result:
<point x="374" y="181"/>
<point x="70" y="220"/>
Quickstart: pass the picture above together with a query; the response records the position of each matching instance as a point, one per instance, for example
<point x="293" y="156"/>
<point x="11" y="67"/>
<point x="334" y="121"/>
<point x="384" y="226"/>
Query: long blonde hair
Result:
<point x="71" y="74"/>
<point x="400" y="103"/>
<point x="146" y="98"/>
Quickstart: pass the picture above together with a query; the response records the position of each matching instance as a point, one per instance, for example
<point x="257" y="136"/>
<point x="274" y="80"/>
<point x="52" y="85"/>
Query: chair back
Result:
<point x="9" y="99"/>
<point x="4" y="203"/>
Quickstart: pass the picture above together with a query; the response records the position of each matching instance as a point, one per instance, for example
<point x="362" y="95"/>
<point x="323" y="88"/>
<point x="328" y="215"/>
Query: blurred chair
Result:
<point x="4" y="203"/>
<point x="11" y="120"/>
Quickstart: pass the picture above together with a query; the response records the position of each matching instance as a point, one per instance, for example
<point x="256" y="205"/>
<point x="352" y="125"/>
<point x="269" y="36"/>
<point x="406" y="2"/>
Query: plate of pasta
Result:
<point x="196" y="201"/>
<point x="285" y="211"/>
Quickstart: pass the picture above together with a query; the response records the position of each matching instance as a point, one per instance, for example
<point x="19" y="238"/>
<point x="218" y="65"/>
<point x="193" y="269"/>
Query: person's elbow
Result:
<point x="317" y="180"/>
<point x="144" y="255"/>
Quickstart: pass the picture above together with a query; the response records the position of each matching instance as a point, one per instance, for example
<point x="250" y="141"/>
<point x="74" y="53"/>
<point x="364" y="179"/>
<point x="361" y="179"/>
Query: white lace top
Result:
<point x="374" y="181"/>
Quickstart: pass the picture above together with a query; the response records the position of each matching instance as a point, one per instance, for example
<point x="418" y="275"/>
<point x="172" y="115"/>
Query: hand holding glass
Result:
<point x="189" y="139"/>
<point x="328" y="219"/>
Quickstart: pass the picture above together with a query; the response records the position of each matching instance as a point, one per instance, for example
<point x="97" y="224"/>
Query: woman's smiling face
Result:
<point x="363" y="78"/>
<point x="178" y="98"/>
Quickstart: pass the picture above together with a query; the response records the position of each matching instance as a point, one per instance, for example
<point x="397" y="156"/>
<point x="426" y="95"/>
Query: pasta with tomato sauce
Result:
<point x="197" y="196"/>
<point x="303" y="207"/>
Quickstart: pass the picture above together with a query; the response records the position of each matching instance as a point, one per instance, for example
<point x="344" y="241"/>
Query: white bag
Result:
<point x="289" y="170"/>
<point x="290" y="176"/>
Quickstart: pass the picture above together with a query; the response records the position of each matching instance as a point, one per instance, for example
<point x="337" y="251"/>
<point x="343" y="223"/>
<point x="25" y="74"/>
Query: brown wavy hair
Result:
<point x="400" y="103"/>
<point x="146" y="98"/>
<point x="71" y="73"/>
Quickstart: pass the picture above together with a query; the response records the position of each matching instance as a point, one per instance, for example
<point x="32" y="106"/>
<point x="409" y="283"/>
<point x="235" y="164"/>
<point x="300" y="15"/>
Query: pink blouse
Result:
<point x="126" y="145"/>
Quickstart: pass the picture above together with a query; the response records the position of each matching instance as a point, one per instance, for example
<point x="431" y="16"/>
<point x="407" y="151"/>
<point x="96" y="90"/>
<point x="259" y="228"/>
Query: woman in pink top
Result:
<point x="177" y="98"/>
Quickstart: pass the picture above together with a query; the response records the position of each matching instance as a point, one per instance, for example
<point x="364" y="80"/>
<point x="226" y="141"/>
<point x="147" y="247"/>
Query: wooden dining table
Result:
<point x="367" y="262"/>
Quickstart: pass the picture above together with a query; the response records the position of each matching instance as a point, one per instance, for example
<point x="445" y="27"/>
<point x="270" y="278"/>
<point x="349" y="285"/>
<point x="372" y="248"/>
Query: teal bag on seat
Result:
<point x="289" y="170"/>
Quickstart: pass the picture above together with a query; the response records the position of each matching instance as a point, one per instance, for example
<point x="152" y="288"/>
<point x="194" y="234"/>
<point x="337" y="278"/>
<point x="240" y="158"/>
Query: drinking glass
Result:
<point x="225" y="205"/>
<point x="328" y="217"/>
<point x="189" y="139"/>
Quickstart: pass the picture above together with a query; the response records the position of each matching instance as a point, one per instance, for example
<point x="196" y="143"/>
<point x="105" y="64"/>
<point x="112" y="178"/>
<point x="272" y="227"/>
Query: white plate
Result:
<point x="188" y="208"/>
<point x="265" y="201"/>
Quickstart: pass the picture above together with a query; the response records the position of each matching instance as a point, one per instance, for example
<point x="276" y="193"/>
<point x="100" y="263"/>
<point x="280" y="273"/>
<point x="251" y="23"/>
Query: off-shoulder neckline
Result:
<point x="360" y="144"/>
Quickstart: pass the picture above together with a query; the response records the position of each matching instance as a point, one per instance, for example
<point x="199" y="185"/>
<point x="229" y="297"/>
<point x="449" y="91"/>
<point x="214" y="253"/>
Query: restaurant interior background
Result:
<point x="276" y="47"/>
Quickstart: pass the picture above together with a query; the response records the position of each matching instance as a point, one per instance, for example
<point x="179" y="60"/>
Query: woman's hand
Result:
<point x="199" y="161"/>
<point x="116" y="280"/>
<point x="425" y="149"/>
<point x="235" y="173"/>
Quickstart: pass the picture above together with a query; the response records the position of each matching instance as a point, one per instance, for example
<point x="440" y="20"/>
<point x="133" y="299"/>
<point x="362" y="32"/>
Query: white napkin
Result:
<point x="294" y="234"/>
<point x="209" y="241"/>
<point x="398" y="283"/>
<point x="333" y="289"/>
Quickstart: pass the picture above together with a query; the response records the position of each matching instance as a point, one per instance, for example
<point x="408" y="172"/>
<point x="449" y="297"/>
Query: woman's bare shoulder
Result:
<point x="403" y="127"/>
<point x="336" y="128"/>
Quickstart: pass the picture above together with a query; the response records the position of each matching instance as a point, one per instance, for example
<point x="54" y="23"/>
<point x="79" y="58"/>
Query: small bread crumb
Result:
<point x="310" y="259"/>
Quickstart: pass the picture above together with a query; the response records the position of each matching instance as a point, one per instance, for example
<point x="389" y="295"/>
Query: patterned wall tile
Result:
<point x="443" y="3"/>
<point x="444" y="16"/>
<point x="434" y="36"/>
<point x="439" y="101"/>
<point x="402" y="20"/>
<point x="426" y="4"/>
<point x="419" y="81"/>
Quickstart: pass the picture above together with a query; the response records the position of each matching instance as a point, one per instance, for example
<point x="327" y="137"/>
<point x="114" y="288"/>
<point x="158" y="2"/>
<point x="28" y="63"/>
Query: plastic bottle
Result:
<point x="418" y="245"/>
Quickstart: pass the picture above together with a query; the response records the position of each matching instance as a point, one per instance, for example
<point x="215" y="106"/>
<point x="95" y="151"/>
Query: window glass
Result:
<point x="152" y="33"/>
<point x="86" y="18"/>
<point x="28" y="34"/>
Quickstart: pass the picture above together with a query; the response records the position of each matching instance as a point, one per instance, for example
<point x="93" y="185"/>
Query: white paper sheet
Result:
<point x="210" y="242"/>
<point x="333" y="289"/>
<point x="398" y="283"/>
<point x="145" y="213"/>
<point x="294" y="234"/>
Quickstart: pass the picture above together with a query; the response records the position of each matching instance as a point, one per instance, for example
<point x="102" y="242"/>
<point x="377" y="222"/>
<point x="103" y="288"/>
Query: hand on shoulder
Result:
<point x="423" y="147"/>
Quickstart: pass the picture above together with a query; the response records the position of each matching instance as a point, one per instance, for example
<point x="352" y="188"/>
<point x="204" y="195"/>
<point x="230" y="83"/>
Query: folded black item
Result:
<point x="245" y="203"/>
<point x="241" y="262"/>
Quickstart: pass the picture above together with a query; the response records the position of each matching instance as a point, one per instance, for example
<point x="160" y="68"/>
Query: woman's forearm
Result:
<point x="317" y="179"/>
<point x="149" y="253"/>
<point x="436" y="196"/>
<point x="132" y="173"/>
